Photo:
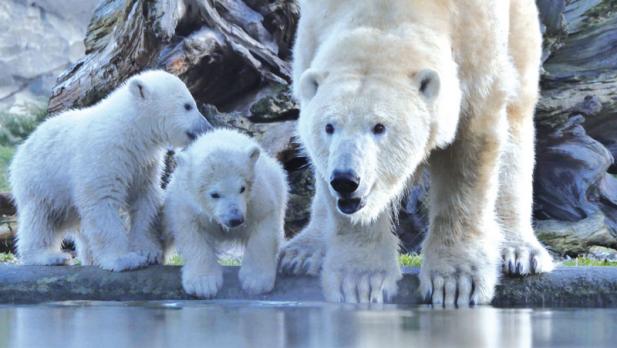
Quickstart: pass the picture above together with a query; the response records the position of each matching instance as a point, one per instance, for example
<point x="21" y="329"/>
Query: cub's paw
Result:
<point x="256" y="281"/>
<point x="119" y="263"/>
<point x="525" y="257"/>
<point x="449" y="278"/>
<point x="153" y="255"/>
<point x="360" y="287"/>
<point x="302" y="255"/>
<point x="45" y="258"/>
<point x="148" y="247"/>
<point x="202" y="285"/>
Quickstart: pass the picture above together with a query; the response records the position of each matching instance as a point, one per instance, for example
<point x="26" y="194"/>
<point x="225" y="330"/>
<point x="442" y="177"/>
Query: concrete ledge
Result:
<point x="565" y="287"/>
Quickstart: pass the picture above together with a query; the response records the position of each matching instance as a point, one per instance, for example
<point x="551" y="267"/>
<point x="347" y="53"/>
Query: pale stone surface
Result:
<point x="38" y="40"/>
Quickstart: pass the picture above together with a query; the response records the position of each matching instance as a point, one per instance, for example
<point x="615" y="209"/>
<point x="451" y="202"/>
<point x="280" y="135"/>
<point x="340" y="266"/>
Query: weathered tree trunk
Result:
<point x="576" y="118"/>
<point x="234" y="55"/>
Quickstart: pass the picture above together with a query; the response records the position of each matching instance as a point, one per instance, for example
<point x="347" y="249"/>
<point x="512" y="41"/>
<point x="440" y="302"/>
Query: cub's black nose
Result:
<point x="345" y="182"/>
<point x="235" y="222"/>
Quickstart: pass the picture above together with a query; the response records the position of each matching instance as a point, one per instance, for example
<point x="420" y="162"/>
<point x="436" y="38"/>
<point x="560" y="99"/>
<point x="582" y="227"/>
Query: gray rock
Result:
<point x="602" y="253"/>
<point x="574" y="238"/>
<point x="566" y="286"/>
<point x="38" y="40"/>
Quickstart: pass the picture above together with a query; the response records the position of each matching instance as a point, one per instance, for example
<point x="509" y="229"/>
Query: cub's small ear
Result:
<point x="138" y="89"/>
<point x="254" y="153"/>
<point x="309" y="83"/>
<point x="428" y="83"/>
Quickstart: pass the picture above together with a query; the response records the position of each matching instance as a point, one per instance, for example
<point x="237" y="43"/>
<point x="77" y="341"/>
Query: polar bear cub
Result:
<point x="226" y="189"/>
<point x="86" y="169"/>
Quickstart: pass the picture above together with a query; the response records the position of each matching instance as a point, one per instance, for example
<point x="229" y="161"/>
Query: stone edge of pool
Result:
<point x="564" y="287"/>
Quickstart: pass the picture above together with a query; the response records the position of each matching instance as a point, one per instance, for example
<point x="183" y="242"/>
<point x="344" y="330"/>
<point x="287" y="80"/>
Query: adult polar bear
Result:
<point x="385" y="86"/>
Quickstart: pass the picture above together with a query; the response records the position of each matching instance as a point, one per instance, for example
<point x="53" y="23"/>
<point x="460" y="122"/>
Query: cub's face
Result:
<point x="225" y="185"/>
<point x="169" y="106"/>
<point x="366" y="136"/>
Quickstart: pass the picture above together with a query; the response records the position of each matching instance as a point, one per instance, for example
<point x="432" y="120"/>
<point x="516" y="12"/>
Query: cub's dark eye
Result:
<point x="379" y="129"/>
<point x="242" y="189"/>
<point x="329" y="128"/>
<point x="215" y="195"/>
<point x="188" y="107"/>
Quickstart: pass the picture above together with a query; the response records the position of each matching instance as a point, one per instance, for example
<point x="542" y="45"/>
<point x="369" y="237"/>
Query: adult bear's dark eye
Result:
<point x="242" y="189"/>
<point x="215" y="195"/>
<point x="329" y="128"/>
<point x="188" y="107"/>
<point x="379" y="129"/>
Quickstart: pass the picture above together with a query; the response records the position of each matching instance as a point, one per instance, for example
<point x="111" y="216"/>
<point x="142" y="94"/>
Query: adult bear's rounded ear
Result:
<point x="138" y="88"/>
<point x="428" y="83"/>
<point x="310" y="81"/>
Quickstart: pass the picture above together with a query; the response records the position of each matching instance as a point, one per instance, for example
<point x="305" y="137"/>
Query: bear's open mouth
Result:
<point x="350" y="205"/>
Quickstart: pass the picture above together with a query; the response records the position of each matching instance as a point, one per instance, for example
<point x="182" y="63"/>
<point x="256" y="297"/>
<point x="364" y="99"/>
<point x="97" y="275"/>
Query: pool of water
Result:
<point x="289" y="324"/>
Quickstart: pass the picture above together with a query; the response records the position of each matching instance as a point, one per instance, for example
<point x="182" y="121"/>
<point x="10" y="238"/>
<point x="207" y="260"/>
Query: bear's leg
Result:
<point x="461" y="252"/>
<point x="143" y="238"/>
<point x="202" y="275"/>
<point x="258" y="271"/>
<point x="522" y="253"/>
<point x="304" y="253"/>
<point x="38" y="242"/>
<point x="108" y="238"/>
<point x="361" y="262"/>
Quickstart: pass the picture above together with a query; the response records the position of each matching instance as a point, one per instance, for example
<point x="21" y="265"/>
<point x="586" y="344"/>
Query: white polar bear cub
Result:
<point x="82" y="169"/>
<point x="226" y="189"/>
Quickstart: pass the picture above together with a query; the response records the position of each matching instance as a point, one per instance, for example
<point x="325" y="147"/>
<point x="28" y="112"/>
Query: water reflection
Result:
<point x="254" y="324"/>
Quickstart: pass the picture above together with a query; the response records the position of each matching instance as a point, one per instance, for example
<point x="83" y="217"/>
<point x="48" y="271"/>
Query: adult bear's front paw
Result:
<point x="302" y="255"/>
<point x="454" y="276"/>
<point x="354" y="285"/>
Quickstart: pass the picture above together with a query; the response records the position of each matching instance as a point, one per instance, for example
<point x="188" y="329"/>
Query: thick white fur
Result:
<point x="84" y="170"/>
<point x="359" y="63"/>
<point x="222" y="162"/>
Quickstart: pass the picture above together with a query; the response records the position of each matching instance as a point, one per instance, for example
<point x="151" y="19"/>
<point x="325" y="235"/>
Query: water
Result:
<point x="273" y="325"/>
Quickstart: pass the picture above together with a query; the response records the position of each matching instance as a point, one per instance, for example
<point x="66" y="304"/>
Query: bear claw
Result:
<point x="204" y="286"/>
<point x="524" y="258"/>
<point x="453" y="282"/>
<point x="300" y="257"/>
<point x="373" y="287"/>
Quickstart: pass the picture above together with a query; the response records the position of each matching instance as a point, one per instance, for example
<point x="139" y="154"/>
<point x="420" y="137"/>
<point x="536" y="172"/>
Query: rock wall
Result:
<point x="234" y="56"/>
<point x="38" y="39"/>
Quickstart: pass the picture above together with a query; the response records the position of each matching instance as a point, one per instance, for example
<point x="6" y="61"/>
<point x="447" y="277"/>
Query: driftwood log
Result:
<point x="235" y="57"/>
<point x="7" y="208"/>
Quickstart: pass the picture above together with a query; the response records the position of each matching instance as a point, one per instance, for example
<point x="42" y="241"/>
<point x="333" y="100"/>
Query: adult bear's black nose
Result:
<point x="345" y="182"/>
